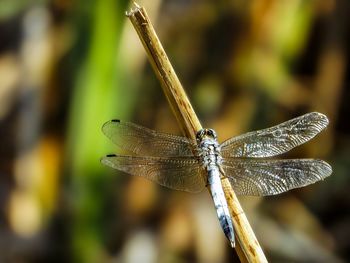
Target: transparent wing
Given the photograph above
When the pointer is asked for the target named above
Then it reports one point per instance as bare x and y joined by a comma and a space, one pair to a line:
143, 141
179, 173
269, 177
275, 140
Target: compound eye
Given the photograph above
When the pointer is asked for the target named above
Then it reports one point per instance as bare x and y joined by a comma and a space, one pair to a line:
200, 134
212, 133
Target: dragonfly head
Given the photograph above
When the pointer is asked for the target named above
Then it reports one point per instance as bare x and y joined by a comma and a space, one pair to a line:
206, 133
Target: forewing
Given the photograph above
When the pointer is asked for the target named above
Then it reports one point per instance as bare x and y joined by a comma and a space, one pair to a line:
269, 177
275, 140
143, 141
179, 173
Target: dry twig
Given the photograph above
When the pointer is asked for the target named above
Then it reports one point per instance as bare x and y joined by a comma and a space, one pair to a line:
248, 248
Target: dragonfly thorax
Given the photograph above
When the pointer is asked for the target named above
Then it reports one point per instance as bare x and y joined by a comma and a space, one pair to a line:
209, 149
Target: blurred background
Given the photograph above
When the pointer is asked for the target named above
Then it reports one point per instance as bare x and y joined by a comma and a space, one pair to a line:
68, 66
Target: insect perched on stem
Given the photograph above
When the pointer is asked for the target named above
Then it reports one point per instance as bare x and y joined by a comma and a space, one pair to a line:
182, 164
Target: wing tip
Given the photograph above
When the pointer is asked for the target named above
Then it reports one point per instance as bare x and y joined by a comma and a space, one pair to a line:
105, 160
107, 123
329, 169
325, 169
113, 120
320, 118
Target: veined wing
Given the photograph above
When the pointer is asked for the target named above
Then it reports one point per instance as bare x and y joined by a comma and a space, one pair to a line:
261, 177
179, 173
275, 140
143, 141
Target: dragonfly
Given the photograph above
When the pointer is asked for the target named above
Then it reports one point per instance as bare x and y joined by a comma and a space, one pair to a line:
184, 164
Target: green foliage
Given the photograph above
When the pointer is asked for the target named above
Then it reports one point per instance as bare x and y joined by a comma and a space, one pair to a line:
96, 98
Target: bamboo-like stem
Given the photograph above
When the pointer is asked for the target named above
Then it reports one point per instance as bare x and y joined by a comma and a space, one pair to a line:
248, 248
172, 87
